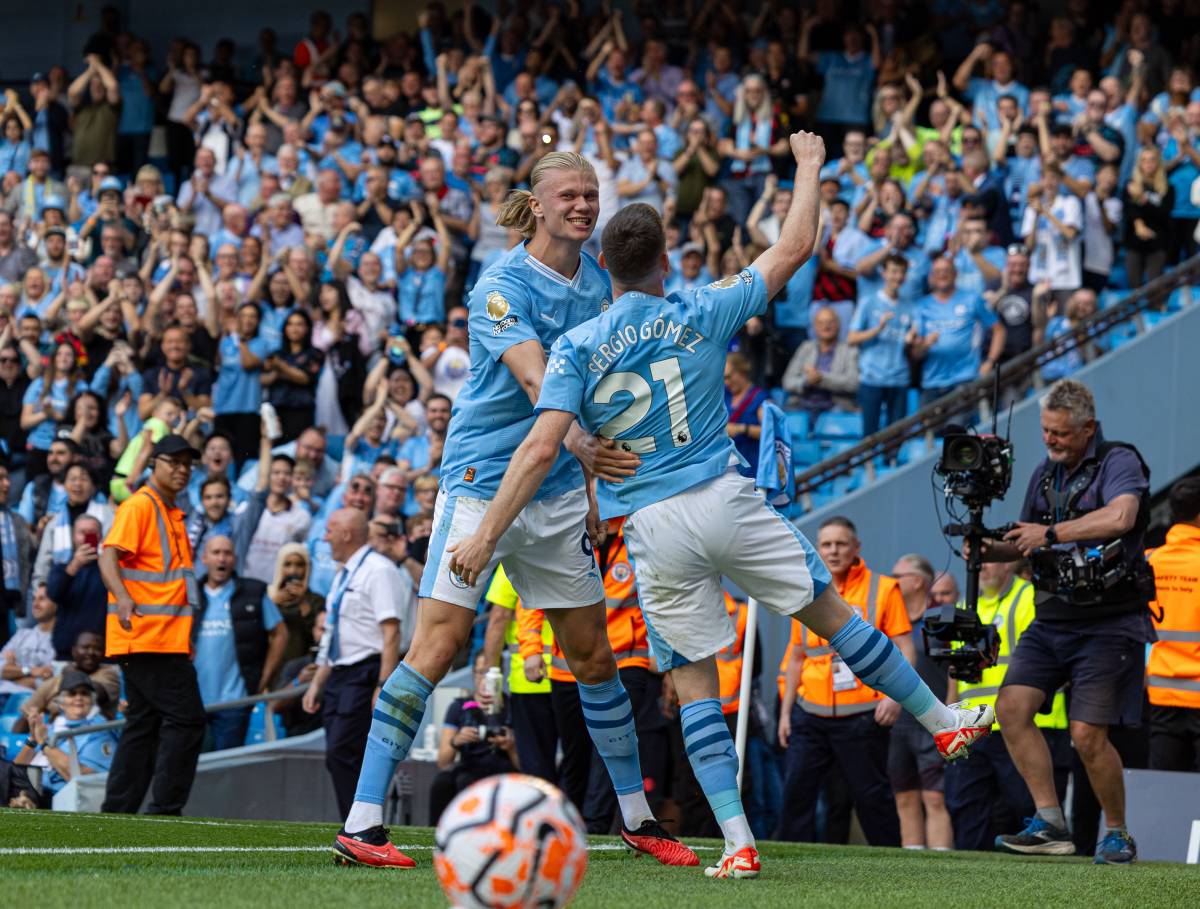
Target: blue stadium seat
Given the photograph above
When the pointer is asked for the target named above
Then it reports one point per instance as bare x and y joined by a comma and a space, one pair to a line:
12, 706
1153, 318
1122, 334
805, 453
335, 447
11, 742
778, 396
1118, 277
914, 400
836, 425
912, 450
256, 731
1109, 297
797, 425
7, 721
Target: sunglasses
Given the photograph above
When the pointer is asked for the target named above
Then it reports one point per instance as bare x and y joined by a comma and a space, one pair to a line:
9, 360
458, 323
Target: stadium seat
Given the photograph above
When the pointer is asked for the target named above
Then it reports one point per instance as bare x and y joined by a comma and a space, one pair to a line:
805, 453
836, 425
1110, 297
1122, 334
797, 424
914, 400
12, 706
7, 721
1153, 317
1118, 277
335, 447
778, 396
256, 732
12, 742
912, 450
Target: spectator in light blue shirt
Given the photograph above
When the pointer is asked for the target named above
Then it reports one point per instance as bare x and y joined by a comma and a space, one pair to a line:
611, 84
850, 170
951, 325
15, 148
690, 273
645, 177
237, 394
979, 266
653, 113
849, 75
882, 328
239, 639
137, 81
983, 93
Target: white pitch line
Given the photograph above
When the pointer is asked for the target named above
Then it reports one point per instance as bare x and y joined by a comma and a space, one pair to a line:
172, 850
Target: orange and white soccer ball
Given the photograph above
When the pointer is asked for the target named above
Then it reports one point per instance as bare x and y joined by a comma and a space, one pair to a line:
510, 842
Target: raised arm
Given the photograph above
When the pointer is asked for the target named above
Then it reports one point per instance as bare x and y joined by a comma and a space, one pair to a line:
798, 234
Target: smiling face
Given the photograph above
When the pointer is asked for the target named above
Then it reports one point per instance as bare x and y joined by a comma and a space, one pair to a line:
566, 204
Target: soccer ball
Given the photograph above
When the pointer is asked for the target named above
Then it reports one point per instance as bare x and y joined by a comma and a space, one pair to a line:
510, 842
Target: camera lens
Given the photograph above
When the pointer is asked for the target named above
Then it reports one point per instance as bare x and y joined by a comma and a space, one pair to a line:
962, 453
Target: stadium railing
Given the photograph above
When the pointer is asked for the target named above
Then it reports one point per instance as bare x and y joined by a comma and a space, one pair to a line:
1121, 320
268, 699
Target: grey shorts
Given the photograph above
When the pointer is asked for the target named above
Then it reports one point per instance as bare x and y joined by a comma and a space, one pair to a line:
913, 760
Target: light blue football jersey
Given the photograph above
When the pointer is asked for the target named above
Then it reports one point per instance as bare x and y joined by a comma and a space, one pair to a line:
516, 299
649, 372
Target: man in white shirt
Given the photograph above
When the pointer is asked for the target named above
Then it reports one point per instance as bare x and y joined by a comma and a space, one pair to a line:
370, 617
1053, 226
282, 521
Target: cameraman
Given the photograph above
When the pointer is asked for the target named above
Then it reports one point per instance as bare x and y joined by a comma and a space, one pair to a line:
1091, 492
474, 744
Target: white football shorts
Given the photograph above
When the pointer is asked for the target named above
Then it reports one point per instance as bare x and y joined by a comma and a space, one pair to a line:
546, 553
680, 547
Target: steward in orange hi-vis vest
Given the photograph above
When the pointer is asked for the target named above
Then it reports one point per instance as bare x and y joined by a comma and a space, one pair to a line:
156, 565
146, 564
1173, 672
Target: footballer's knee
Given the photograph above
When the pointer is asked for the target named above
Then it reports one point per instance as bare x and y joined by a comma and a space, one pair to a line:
595, 667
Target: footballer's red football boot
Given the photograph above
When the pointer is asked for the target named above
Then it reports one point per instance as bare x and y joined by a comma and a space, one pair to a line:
652, 840
743, 863
369, 847
973, 724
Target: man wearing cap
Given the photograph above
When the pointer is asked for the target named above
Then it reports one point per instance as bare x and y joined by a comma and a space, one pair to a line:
690, 273
147, 567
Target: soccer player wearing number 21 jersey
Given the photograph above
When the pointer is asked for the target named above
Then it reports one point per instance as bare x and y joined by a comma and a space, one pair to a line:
519, 307
648, 373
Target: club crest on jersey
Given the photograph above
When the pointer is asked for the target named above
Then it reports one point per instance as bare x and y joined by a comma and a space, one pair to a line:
725, 283
497, 306
621, 572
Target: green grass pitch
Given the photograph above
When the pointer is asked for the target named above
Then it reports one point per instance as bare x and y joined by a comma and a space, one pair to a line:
43, 863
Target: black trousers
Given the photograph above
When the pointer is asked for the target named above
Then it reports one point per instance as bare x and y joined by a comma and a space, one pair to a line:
1175, 739
346, 716
450, 782
859, 746
584, 777
536, 732
164, 729
293, 421
243, 430
986, 795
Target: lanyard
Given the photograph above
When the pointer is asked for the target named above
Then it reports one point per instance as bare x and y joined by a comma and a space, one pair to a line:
336, 603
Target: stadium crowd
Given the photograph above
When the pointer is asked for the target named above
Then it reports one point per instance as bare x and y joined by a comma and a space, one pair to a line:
265, 251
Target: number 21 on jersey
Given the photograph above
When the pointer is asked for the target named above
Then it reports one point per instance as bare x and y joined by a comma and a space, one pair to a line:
668, 373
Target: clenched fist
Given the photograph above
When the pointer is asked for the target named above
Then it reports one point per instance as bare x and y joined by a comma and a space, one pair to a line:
808, 148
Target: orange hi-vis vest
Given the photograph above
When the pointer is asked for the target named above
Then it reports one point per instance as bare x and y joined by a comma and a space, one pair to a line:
827, 686
157, 569
730, 659
626, 626
1173, 672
